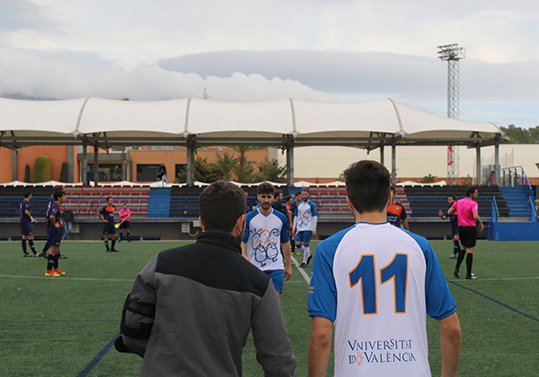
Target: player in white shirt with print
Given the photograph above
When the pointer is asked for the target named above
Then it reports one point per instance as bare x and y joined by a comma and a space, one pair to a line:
385, 280
305, 219
266, 234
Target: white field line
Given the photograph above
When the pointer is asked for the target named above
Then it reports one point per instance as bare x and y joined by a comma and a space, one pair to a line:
301, 271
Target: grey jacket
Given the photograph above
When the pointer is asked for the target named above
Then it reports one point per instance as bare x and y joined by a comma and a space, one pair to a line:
191, 308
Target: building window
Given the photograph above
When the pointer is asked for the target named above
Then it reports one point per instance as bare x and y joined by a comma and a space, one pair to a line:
147, 172
107, 172
181, 169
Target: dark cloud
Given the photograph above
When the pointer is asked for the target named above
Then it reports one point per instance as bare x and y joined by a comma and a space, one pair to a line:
371, 74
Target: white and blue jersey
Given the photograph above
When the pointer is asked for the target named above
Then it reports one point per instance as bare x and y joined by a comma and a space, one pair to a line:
376, 282
263, 238
305, 216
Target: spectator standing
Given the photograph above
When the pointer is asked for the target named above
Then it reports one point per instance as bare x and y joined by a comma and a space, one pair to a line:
68, 217
162, 174
192, 307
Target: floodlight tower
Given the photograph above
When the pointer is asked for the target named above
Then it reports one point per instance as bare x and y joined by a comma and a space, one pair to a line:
452, 54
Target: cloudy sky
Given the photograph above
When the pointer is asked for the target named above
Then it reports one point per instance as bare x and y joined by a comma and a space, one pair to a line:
255, 50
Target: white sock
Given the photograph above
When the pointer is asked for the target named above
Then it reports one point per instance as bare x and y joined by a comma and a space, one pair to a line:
306, 253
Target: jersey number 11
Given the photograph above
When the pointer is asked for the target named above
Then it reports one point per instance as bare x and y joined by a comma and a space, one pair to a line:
396, 270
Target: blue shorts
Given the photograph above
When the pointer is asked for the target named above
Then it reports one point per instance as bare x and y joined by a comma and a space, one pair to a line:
304, 236
277, 276
54, 238
27, 229
109, 229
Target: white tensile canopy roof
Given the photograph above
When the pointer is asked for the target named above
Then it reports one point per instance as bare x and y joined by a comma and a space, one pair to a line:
192, 122
112, 122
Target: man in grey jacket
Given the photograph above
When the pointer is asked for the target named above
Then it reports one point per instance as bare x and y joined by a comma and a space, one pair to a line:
192, 307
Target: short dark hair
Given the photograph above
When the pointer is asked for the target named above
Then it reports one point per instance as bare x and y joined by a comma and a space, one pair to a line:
108, 197
277, 193
27, 194
470, 190
298, 193
220, 205
58, 194
393, 189
265, 188
305, 189
367, 185
288, 197
452, 196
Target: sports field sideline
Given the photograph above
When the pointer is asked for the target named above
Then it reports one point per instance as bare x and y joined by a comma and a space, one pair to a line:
65, 326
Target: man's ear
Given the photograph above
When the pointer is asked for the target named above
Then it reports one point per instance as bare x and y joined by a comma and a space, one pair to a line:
349, 202
239, 223
201, 224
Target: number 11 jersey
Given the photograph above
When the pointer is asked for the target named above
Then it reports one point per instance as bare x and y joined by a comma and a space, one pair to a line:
377, 283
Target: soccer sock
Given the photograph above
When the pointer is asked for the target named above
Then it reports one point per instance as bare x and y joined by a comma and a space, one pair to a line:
107, 244
113, 244
469, 262
121, 236
32, 247
456, 247
50, 263
24, 247
56, 257
462, 253
45, 248
306, 253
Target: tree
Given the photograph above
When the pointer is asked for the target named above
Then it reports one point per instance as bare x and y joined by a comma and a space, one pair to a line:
42, 169
225, 164
244, 173
27, 173
428, 179
518, 135
271, 171
63, 172
242, 151
204, 172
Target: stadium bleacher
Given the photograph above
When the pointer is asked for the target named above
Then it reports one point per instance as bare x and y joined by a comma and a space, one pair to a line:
421, 203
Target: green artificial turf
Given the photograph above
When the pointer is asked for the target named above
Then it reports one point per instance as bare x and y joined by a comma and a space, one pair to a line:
64, 326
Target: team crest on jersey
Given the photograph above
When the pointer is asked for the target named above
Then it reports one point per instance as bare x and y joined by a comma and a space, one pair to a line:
265, 245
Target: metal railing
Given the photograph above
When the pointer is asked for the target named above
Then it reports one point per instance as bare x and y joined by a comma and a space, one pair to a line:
515, 176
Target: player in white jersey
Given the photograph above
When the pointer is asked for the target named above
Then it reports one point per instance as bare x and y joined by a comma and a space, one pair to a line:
305, 219
384, 279
265, 235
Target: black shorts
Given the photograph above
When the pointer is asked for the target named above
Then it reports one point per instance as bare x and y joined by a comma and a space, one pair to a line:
27, 228
54, 238
467, 236
109, 228
124, 225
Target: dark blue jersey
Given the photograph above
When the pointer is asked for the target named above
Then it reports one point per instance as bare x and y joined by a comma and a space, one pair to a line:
108, 213
454, 222
25, 206
53, 211
279, 206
